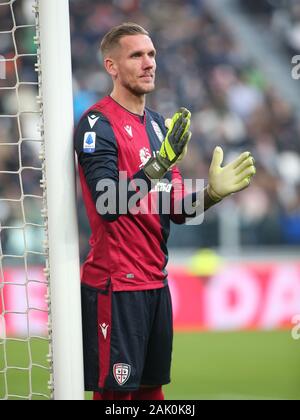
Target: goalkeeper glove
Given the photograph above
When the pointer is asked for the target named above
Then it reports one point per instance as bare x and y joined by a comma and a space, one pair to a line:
172, 147
234, 177
168, 123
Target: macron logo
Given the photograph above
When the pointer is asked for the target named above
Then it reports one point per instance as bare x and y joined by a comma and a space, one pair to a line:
92, 120
104, 328
128, 128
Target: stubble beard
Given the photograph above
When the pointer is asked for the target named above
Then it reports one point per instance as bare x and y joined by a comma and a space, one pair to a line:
138, 90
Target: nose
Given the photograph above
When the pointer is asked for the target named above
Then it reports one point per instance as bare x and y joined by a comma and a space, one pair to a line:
148, 62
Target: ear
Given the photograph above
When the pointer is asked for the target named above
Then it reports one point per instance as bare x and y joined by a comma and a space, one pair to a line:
110, 67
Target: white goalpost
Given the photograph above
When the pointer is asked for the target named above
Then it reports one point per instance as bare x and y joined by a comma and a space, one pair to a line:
38, 223
56, 74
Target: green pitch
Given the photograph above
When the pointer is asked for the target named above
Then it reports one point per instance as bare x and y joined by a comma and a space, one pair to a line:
28, 371
244, 365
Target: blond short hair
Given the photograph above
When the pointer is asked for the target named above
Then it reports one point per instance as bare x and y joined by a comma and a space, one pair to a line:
112, 38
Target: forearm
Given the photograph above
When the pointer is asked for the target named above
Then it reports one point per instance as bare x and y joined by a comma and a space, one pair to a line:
192, 206
208, 201
202, 201
117, 198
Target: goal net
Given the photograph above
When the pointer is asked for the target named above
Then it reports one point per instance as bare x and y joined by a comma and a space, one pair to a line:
26, 327
24, 369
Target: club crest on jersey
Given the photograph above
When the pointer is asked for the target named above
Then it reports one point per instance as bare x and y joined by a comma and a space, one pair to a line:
89, 142
145, 155
158, 131
121, 373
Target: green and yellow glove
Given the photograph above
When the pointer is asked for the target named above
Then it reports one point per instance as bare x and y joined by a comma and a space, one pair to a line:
234, 177
172, 147
168, 123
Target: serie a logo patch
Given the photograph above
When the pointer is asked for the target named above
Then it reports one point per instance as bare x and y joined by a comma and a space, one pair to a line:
89, 142
121, 372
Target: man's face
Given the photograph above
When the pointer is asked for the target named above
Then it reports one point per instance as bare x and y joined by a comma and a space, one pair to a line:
135, 64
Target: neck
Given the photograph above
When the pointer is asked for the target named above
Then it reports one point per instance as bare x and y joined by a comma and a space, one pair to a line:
133, 103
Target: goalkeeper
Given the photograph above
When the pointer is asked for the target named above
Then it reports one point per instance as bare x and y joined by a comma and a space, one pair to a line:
126, 303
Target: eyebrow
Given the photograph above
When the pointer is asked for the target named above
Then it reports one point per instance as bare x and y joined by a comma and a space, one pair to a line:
141, 52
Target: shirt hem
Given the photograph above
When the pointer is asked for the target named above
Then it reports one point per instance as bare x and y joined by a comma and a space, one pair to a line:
136, 288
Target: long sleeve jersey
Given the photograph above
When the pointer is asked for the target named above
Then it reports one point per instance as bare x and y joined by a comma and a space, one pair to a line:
129, 250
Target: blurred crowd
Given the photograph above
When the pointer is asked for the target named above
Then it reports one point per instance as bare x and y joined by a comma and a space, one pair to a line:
283, 17
200, 66
20, 166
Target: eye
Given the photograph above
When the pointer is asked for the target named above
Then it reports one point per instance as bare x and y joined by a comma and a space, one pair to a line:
135, 55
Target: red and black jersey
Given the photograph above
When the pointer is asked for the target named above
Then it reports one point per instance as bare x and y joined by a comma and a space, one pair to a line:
128, 250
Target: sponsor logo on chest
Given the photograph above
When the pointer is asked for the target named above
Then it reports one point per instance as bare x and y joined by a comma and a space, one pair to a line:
158, 131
